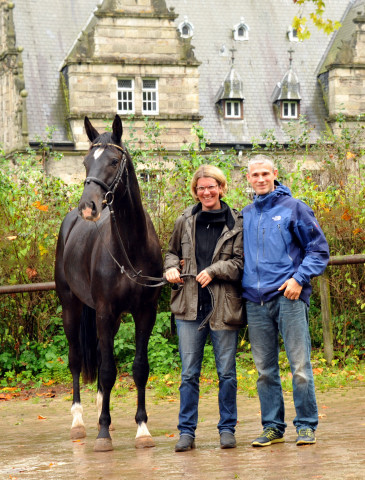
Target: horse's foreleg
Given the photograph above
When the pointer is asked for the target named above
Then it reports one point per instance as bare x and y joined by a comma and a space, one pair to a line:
107, 376
140, 376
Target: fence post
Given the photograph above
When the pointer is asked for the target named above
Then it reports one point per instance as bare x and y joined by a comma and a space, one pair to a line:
326, 318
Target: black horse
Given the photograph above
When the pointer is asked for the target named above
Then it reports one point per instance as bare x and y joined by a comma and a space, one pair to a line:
105, 258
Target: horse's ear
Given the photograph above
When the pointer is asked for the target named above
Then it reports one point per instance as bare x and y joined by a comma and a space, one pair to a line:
91, 132
117, 129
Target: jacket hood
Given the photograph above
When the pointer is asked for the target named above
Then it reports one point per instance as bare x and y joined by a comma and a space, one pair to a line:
264, 202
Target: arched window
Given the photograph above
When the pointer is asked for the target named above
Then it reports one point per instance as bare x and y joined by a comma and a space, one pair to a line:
240, 31
292, 34
186, 28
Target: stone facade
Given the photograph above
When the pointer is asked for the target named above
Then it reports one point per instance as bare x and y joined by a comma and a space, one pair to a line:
344, 78
132, 41
62, 60
13, 119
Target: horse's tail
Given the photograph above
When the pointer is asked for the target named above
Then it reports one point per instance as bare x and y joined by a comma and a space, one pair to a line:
89, 342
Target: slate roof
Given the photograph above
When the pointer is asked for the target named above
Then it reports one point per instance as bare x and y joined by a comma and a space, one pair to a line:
261, 62
47, 29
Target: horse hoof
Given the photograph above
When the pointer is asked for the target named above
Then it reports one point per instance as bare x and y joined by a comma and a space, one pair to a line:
103, 445
146, 441
78, 432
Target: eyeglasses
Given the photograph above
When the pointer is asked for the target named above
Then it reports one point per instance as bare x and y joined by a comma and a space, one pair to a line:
210, 188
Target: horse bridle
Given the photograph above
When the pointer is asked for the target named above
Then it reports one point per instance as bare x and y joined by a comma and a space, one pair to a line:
110, 190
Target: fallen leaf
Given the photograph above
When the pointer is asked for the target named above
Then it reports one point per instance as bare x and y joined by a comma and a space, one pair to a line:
41, 418
31, 273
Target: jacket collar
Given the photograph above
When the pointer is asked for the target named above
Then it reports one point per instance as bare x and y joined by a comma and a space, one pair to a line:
230, 220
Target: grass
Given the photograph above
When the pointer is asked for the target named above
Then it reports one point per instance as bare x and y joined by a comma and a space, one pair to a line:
343, 372
349, 372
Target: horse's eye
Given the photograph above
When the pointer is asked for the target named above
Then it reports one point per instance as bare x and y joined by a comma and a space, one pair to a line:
115, 162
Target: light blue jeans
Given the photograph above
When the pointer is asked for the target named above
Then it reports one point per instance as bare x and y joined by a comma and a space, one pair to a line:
290, 319
191, 347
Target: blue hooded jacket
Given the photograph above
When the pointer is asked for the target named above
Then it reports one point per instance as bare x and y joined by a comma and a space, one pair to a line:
282, 239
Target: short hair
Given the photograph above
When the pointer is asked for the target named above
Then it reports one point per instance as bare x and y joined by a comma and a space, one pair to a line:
210, 171
259, 159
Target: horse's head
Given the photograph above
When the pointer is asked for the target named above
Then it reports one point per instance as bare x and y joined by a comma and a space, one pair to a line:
104, 165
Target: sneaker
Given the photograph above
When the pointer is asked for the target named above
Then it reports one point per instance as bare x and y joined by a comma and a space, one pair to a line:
305, 436
227, 440
269, 436
185, 443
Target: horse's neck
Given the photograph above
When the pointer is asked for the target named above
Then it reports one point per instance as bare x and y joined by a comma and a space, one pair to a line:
130, 214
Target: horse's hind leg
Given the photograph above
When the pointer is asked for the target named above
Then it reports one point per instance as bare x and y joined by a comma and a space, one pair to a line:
106, 380
71, 323
144, 324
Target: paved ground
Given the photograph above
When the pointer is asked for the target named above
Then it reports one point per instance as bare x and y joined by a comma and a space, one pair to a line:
35, 444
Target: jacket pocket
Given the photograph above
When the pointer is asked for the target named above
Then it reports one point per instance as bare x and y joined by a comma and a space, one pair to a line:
234, 310
178, 299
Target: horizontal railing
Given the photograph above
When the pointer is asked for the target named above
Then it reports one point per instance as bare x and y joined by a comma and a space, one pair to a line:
323, 287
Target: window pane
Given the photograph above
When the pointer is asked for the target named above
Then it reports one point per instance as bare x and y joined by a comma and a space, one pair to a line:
229, 109
125, 95
124, 83
149, 83
293, 109
149, 96
285, 109
236, 109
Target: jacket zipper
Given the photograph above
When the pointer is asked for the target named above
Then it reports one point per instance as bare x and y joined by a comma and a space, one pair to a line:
257, 258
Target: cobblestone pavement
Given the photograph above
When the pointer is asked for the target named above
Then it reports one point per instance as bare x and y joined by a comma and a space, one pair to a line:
35, 443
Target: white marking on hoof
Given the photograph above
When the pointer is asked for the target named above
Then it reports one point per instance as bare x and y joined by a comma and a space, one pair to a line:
143, 437
142, 430
76, 411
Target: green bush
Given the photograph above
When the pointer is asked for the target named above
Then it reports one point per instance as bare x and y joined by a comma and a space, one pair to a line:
32, 206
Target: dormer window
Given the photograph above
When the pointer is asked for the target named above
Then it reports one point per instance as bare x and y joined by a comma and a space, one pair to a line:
186, 28
292, 34
229, 98
289, 110
233, 109
286, 95
240, 31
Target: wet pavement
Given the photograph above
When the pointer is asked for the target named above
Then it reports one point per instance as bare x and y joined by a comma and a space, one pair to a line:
35, 443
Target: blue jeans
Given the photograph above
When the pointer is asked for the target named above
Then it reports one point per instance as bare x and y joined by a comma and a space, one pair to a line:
290, 319
191, 347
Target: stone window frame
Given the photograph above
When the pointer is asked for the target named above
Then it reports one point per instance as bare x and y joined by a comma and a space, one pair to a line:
128, 94
233, 116
150, 97
290, 115
186, 28
241, 27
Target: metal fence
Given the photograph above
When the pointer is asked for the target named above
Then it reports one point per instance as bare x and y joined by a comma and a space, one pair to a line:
323, 286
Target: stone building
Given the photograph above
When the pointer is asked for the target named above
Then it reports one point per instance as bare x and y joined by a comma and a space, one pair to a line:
235, 67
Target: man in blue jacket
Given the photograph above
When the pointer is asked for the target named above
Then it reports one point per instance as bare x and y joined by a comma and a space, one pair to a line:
284, 247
